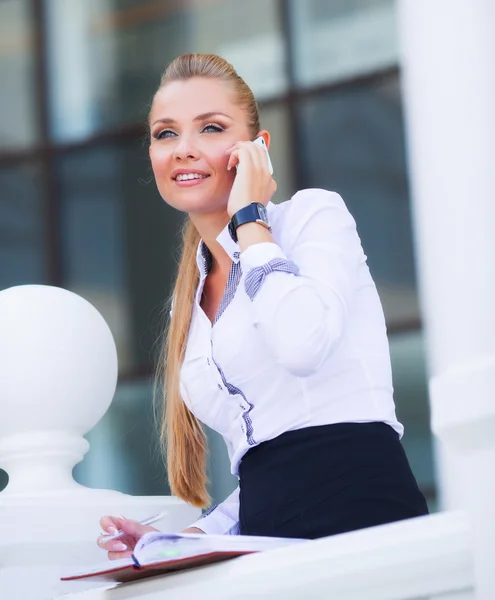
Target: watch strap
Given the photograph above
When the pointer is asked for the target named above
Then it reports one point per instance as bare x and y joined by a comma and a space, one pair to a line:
253, 213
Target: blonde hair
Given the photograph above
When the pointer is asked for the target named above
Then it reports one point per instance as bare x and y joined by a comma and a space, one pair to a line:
182, 437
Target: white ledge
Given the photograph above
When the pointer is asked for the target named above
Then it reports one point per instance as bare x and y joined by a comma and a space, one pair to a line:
400, 561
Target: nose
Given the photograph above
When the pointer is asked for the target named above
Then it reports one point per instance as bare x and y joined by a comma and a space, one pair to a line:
185, 150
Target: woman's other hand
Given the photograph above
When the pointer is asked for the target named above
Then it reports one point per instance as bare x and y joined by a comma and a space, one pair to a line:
253, 181
192, 530
124, 546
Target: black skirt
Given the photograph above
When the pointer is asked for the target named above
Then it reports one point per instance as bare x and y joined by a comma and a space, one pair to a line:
324, 480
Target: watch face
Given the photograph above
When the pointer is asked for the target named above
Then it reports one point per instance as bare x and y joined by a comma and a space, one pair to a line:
263, 213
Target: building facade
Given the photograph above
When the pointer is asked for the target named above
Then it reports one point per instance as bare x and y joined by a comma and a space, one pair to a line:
79, 208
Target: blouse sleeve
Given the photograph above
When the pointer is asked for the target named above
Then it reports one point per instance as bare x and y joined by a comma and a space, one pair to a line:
222, 519
301, 297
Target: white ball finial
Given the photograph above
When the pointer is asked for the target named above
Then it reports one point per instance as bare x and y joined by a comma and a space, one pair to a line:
58, 373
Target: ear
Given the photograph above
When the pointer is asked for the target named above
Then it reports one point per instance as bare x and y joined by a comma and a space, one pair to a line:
266, 136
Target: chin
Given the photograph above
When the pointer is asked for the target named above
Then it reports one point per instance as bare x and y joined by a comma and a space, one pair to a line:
196, 202
196, 206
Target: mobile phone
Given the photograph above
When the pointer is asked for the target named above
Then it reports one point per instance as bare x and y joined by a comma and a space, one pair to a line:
261, 142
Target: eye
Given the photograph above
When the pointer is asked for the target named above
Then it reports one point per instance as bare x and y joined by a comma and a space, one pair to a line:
212, 128
165, 133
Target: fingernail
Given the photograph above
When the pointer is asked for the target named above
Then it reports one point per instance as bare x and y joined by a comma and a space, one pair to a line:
119, 547
113, 530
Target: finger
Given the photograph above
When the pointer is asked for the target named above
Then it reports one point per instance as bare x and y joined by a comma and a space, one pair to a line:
233, 153
119, 555
236, 146
109, 524
241, 156
112, 545
255, 151
233, 161
229, 153
108, 521
134, 528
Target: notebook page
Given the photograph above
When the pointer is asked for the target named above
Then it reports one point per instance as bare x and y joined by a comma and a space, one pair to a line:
156, 546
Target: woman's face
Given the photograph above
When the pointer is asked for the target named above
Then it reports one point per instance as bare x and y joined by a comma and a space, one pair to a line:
192, 124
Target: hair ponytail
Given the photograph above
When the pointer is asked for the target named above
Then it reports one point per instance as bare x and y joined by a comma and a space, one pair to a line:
182, 438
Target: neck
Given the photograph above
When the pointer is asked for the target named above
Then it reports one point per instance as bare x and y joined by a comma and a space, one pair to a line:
209, 227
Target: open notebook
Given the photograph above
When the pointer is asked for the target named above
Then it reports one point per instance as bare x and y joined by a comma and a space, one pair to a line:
158, 553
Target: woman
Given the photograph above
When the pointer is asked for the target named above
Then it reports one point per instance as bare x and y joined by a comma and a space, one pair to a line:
277, 337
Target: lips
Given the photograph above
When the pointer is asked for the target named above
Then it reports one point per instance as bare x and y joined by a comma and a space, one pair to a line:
188, 174
190, 179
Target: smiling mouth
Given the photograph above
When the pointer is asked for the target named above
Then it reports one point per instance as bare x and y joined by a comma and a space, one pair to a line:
189, 176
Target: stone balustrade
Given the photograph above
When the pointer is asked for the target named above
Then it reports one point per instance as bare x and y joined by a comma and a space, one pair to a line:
58, 374
426, 558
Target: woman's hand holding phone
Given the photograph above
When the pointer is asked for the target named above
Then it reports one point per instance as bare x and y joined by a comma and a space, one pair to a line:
253, 181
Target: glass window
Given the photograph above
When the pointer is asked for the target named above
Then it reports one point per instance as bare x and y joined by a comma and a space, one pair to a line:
353, 142
22, 234
18, 125
247, 34
275, 118
106, 58
118, 240
411, 397
124, 452
342, 38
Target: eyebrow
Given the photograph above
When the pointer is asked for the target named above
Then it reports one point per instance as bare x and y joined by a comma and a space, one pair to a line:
202, 117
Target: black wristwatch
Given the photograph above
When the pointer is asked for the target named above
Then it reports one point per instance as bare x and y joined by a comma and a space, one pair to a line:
254, 213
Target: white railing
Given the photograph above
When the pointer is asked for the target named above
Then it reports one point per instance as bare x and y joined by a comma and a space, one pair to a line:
429, 557
58, 373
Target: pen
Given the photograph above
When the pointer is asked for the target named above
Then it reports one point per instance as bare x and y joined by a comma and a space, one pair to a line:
147, 521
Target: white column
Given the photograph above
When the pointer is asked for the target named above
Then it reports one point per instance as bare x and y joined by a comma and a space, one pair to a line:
448, 61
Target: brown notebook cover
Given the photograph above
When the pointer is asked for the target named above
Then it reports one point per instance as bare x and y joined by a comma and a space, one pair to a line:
124, 573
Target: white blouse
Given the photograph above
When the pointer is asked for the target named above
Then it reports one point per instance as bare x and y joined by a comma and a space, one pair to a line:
299, 339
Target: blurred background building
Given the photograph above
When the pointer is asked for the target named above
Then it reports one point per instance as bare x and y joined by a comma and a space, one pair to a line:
79, 208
